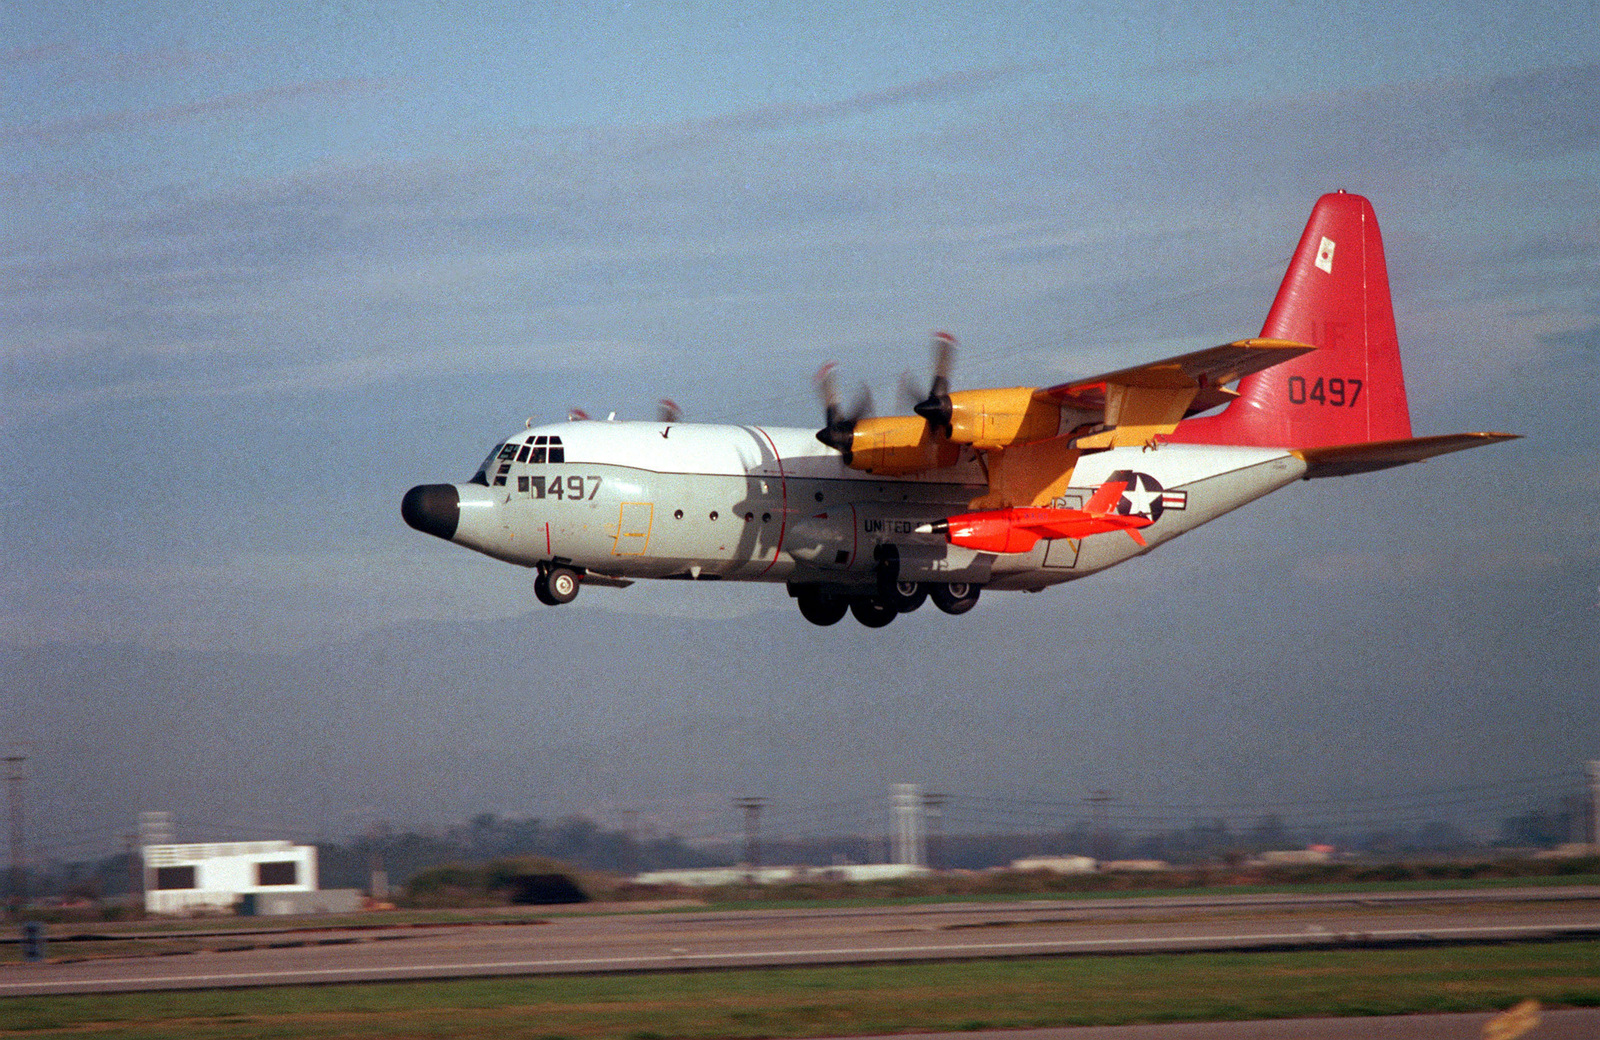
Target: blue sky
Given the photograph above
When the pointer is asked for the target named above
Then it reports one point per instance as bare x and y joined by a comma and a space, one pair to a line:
267, 265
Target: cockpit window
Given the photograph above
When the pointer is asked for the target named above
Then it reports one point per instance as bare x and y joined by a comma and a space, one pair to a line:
535, 451
482, 476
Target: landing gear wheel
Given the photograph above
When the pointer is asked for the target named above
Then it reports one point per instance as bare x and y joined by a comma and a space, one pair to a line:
819, 608
556, 586
955, 598
874, 613
906, 596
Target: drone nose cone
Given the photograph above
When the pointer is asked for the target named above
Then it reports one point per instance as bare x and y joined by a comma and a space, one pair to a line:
433, 508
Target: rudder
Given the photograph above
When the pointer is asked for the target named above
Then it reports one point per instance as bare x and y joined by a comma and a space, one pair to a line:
1335, 296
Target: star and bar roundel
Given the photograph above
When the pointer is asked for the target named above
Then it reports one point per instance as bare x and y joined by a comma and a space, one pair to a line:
1144, 496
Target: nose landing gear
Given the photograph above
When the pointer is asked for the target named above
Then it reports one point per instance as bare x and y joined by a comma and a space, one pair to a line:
556, 585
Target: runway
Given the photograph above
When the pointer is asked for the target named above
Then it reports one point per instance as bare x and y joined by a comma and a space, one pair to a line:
594, 942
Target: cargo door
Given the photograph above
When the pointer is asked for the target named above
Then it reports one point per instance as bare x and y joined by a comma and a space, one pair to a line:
633, 529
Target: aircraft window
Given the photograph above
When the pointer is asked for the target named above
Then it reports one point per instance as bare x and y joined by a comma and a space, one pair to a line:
522, 456
482, 476
766, 518
538, 456
677, 514
558, 453
508, 451
522, 485
713, 514
541, 440
749, 517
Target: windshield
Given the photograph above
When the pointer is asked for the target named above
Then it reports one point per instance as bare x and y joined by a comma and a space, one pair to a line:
533, 450
482, 476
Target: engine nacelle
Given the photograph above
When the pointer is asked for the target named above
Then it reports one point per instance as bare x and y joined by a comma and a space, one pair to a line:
899, 444
996, 418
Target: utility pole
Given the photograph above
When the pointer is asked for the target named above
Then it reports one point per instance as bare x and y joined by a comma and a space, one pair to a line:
630, 829
1102, 835
135, 870
1594, 803
933, 806
752, 832
19, 859
378, 886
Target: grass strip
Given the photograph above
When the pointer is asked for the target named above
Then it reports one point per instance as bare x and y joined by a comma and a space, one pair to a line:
773, 899
878, 999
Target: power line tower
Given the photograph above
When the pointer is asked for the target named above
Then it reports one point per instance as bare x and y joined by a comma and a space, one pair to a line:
752, 832
19, 857
909, 849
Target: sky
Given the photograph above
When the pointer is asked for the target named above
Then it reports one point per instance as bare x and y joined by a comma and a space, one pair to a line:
267, 265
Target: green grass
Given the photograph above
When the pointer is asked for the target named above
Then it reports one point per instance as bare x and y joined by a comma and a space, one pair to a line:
878, 999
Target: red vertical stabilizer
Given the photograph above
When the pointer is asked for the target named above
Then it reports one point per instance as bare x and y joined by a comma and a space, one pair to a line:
1349, 390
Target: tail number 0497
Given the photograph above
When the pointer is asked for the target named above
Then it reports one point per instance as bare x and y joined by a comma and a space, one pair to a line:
1335, 393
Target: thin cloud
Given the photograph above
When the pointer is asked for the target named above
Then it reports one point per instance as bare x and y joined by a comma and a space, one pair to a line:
794, 114
247, 102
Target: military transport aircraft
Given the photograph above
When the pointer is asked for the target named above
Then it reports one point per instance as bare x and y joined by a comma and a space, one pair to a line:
1002, 489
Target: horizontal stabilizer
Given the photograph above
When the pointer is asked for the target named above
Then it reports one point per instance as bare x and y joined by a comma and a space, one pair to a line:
1344, 459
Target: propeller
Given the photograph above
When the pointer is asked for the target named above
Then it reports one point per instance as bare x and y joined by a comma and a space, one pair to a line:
667, 411
576, 414
839, 426
936, 408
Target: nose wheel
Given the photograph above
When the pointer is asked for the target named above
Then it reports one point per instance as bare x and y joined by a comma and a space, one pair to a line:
556, 585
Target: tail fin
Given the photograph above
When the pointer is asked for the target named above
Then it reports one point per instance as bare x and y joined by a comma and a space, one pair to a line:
1105, 499
1349, 390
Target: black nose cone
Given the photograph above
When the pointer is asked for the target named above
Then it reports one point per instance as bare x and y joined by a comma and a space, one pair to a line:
433, 508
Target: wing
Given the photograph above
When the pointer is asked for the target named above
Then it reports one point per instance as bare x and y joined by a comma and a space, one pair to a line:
1030, 437
1151, 399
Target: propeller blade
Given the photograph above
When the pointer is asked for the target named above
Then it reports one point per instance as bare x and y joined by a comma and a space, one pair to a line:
944, 358
838, 431
667, 411
908, 394
861, 407
936, 408
574, 414
828, 390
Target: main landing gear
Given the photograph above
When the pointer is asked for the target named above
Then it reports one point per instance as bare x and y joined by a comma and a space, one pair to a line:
822, 607
556, 584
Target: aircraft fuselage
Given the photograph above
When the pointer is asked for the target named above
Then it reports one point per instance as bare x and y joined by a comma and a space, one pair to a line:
632, 500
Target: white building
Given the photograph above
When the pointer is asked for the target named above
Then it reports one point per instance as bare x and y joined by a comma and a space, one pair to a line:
181, 878
1057, 864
